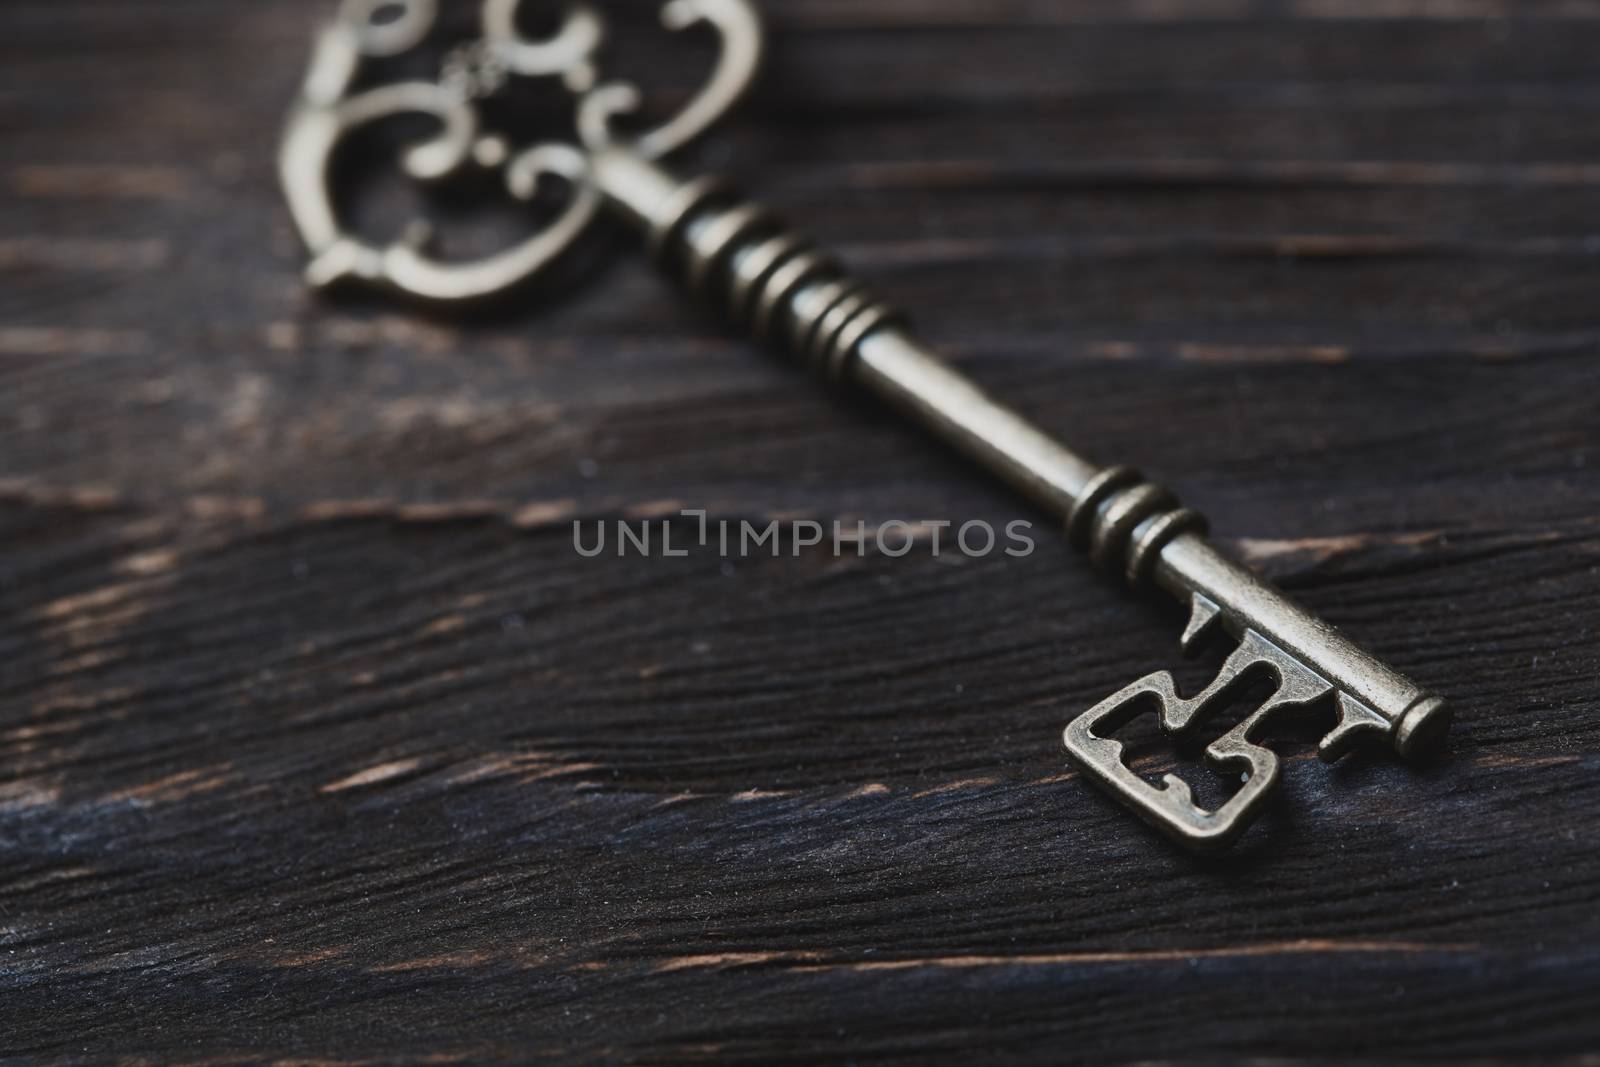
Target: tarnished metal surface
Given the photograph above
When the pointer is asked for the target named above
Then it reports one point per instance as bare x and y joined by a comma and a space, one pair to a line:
772, 282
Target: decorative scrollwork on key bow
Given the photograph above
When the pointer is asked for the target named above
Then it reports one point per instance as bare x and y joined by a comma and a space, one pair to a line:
330, 111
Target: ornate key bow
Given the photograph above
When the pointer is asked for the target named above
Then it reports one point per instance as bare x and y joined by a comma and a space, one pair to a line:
773, 282
328, 112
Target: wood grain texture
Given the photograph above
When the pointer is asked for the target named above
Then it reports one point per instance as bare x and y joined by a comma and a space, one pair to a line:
318, 741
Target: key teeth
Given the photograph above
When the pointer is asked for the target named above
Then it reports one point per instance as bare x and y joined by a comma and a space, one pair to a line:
1204, 614
1356, 721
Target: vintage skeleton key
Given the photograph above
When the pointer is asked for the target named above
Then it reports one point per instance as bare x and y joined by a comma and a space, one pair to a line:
765, 278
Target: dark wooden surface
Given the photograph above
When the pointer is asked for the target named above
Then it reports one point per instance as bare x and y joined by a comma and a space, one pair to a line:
319, 743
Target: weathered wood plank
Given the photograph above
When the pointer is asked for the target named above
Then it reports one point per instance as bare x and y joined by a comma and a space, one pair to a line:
318, 740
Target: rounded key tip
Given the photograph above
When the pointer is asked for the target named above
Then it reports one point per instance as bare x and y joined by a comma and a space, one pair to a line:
1423, 727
